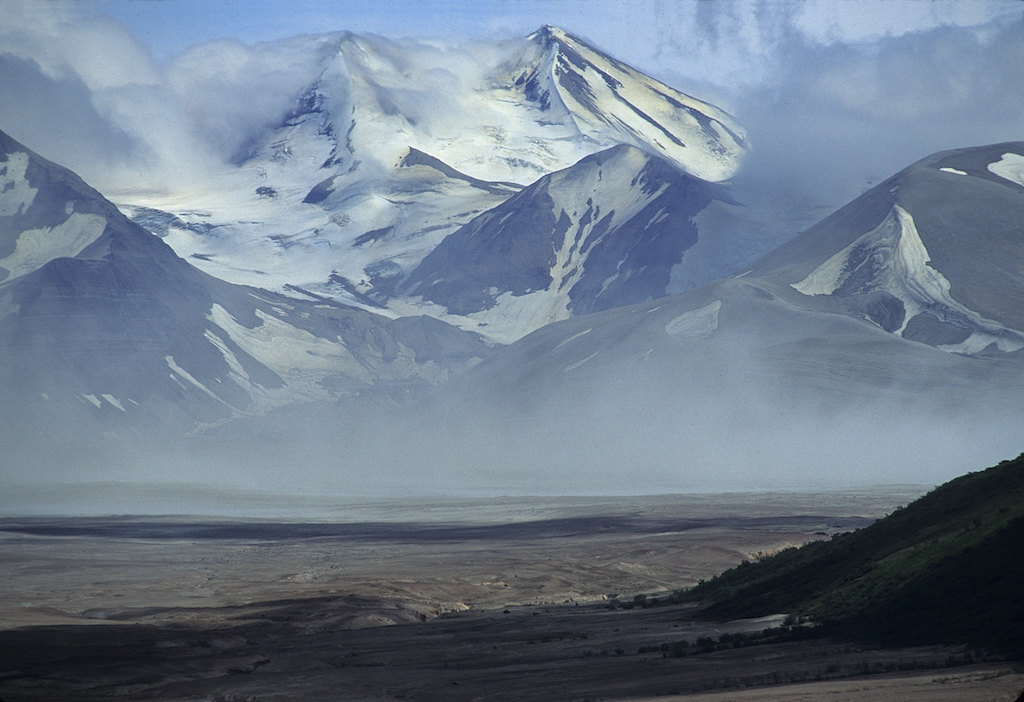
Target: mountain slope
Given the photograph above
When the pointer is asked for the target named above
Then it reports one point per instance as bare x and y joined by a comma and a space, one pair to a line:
944, 568
609, 101
604, 233
732, 386
702, 386
101, 322
932, 254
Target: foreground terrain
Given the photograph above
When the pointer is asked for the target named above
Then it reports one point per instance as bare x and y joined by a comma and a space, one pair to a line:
497, 599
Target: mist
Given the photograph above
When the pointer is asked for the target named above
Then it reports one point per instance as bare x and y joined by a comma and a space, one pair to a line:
839, 119
728, 418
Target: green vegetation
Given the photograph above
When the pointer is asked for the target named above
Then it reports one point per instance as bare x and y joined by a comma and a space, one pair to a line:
948, 568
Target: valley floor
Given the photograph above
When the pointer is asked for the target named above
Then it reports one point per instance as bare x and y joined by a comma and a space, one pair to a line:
492, 600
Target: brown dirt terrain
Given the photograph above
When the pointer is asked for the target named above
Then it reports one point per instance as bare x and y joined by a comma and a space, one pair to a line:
492, 600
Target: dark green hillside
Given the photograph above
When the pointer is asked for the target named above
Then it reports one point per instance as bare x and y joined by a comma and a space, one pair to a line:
947, 568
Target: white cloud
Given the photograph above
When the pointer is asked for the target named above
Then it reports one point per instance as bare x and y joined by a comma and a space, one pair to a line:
838, 118
229, 91
67, 42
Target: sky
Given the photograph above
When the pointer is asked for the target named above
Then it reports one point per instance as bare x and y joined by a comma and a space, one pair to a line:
835, 94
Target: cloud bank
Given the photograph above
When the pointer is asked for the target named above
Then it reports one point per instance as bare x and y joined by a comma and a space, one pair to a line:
837, 119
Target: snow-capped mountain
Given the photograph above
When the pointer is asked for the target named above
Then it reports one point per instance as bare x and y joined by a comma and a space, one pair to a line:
100, 319
609, 102
603, 233
105, 334
392, 146
498, 113
890, 330
933, 254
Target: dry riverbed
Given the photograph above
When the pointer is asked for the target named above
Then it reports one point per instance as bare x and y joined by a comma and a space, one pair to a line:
458, 600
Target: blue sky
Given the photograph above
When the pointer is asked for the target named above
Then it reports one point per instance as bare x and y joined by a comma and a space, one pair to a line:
169, 26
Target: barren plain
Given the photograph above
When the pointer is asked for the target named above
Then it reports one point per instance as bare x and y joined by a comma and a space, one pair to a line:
490, 599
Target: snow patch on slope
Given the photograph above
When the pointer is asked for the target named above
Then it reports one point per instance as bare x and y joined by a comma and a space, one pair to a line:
97, 402
1010, 167
15, 192
178, 374
116, 403
895, 247
92, 400
513, 316
701, 322
36, 247
574, 337
580, 363
980, 340
828, 277
299, 357
892, 258
925, 284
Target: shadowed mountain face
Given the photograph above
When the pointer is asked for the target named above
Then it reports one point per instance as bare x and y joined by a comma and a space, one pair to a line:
933, 254
601, 234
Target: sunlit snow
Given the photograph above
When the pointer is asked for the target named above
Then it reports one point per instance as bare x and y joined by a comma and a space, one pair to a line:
375, 100
1010, 166
36, 247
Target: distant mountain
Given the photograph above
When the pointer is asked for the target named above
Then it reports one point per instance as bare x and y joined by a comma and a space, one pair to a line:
933, 254
103, 326
513, 112
422, 204
782, 361
604, 233
392, 146
744, 381
944, 569
608, 101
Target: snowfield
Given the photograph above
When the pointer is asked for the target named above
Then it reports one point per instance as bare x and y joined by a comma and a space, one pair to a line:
1011, 167
394, 145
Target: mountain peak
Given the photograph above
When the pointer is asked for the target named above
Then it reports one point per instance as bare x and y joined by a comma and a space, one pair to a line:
610, 102
549, 33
